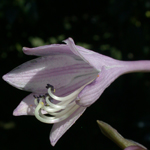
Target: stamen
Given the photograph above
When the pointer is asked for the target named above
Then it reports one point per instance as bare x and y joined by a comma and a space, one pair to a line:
63, 108
50, 86
35, 101
57, 118
49, 109
71, 96
38, 99
61, 105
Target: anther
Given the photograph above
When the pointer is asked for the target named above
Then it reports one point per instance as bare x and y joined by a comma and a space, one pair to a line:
37, 98
34, 96
42, 103
40, 96
46, 94
50, 86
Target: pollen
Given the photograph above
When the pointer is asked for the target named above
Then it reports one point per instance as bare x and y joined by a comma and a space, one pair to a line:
42, 103
98, 75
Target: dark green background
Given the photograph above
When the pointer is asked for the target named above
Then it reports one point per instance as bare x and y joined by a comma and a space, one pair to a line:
117, 28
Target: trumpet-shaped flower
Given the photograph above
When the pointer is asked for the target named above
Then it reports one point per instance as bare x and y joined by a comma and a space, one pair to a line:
64, 81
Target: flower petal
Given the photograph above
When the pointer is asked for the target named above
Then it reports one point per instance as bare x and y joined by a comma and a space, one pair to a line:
94, 90
58, 49
94, 59
53, 49
73, 48
107, 75
135, 148
26, 106
69, 49
58, 70
60, 128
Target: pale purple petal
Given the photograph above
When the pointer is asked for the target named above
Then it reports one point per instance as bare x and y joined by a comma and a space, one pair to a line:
26, 106
60, 128
93, 91
135, 148
95, 59
136, 66
74, 48
53, 49
107, 75
68, 49
58, 70
58, 49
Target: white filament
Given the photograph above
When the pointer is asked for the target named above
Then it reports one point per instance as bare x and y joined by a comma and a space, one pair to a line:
59, 117
61, 105
57, 112
71, 96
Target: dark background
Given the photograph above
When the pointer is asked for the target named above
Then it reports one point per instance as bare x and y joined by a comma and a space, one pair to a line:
117, 28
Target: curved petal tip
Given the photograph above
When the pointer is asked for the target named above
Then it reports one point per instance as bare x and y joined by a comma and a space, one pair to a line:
12, 80
24, 49
4, 77
23, 109
60, 128
68, 39
53, 142
135, 147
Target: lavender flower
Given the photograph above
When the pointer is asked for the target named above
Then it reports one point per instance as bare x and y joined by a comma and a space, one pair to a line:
74, 77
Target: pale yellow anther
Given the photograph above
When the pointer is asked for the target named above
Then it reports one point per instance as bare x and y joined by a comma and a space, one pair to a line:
54, 90
42, 103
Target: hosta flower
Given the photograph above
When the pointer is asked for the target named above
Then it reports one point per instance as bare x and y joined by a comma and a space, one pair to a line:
64, 81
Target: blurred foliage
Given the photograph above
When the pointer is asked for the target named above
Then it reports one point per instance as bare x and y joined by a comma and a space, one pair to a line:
117, 28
